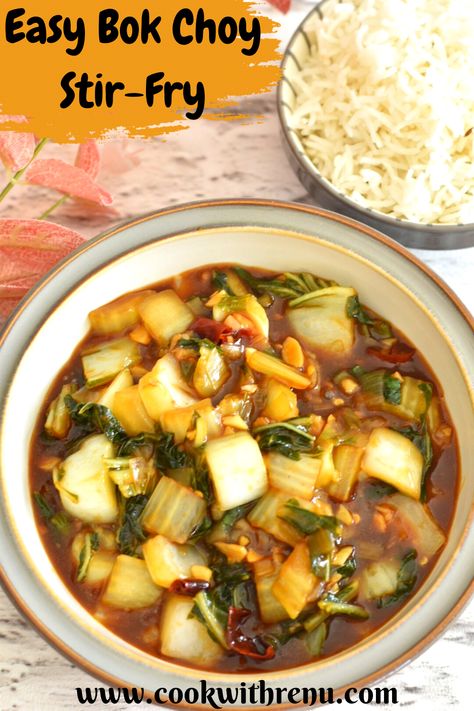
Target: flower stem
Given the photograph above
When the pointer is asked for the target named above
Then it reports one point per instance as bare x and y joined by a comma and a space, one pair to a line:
15, 178
53, 207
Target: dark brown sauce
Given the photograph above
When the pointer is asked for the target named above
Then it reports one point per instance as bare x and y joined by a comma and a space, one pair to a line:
139, 627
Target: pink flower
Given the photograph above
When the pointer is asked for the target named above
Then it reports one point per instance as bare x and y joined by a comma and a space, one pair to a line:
88, 158
16, 149
28, 249
68, 179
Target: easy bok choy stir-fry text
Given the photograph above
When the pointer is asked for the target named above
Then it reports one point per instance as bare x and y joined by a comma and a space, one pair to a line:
244, 470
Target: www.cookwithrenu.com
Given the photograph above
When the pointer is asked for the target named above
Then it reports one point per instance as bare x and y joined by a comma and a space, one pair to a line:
257, 693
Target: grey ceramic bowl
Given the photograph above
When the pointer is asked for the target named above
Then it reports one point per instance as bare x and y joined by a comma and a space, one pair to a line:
324, 193
52, 320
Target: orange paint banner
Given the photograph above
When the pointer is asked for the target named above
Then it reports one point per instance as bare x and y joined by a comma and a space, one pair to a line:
140, 68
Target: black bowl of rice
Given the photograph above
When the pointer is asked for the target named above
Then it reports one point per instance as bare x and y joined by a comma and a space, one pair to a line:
376, 103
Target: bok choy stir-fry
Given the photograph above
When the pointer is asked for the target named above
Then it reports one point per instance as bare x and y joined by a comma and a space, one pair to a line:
244, 470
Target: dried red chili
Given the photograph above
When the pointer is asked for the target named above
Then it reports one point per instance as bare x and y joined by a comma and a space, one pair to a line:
213, 330
398, 353
188, 586
239, 642
218, 332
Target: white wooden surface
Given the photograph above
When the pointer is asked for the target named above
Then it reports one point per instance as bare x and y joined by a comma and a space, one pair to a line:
213, 160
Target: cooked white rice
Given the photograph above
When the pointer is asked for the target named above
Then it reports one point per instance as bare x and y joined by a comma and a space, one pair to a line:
385, 105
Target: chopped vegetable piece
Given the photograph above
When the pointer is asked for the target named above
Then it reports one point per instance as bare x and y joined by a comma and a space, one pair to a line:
434, 418
174, 511
370, 326
183, 636
422, 440
84, 485
379, 579
92, 417
164, 315
237, 469
288, 438
356, 311
348, 569
347, 460
416, 397
405, 581
130, 586
211, 371
220, 281
99, 568
287, 285
228, 280
212, 606
58, 520
223, 528
271, 609
234, 552
404, 397
91, 544
281, 402
344, 595
129, 410
306, 521
58, 419
277, 369
333, 606
315, 640
197, 306
321, 546
327, 471
205, 610
392, 390
168, 455
295, 581
120, 382
393, 458
265, 515
375, 389
164, 388
102, 365
416, 521
130, 534
321, 319
247, 305
378, 489
167, 561
140, 335
201, 530
201, 572
180, 420
133, 475
118, 315
201, 479
298, 478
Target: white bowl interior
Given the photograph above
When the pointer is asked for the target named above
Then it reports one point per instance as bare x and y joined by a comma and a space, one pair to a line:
381, 276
